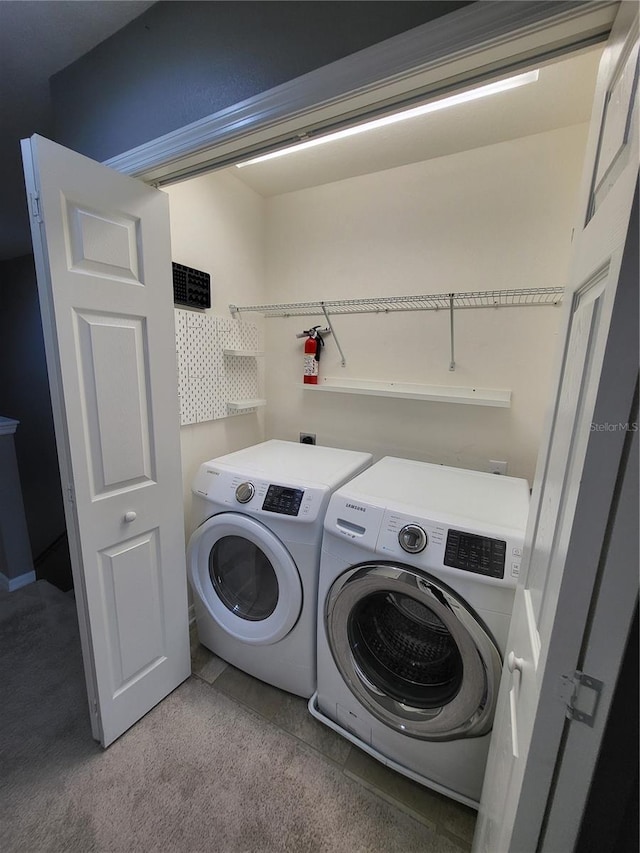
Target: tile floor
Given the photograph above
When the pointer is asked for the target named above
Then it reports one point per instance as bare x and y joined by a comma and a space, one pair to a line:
289, 713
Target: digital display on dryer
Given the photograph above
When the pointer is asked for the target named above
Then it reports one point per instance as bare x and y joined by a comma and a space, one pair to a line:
282, 500
477, 554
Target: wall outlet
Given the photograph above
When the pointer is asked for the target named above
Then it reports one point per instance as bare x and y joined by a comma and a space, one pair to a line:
307, 438
497, 467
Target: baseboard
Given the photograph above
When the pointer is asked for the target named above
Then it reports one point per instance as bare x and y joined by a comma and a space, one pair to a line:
12, 584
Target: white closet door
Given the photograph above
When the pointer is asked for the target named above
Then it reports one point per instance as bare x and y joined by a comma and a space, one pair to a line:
577, 467
102, 248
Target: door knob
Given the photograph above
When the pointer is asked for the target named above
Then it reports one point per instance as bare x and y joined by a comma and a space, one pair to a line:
130, 516
514, 663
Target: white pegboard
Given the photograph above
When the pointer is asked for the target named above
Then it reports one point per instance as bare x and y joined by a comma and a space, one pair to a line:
239, 374
207, 378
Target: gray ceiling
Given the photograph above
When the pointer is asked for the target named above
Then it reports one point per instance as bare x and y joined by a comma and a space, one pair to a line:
37, 39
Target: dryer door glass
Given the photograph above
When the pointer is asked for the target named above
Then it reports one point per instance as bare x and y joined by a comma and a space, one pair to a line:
243, 578
414, 654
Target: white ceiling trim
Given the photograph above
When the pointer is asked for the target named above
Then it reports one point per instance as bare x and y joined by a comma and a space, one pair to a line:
467, 46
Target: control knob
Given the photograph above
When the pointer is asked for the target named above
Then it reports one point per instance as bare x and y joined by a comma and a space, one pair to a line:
245, 492
412, 539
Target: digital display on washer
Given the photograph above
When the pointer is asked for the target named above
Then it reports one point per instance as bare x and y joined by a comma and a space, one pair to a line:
477, 554
283, 500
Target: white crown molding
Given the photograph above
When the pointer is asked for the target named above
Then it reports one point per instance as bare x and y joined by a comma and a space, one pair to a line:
469, 44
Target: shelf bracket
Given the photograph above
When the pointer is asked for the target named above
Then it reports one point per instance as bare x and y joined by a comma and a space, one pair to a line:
452, 361
326, 317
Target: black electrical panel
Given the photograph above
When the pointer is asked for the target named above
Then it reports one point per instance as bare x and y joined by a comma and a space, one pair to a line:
191, 287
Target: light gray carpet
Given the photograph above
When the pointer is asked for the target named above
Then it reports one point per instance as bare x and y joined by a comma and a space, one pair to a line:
199, 774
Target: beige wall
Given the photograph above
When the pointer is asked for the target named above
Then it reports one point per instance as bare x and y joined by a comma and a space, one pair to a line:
493, 218
218, 225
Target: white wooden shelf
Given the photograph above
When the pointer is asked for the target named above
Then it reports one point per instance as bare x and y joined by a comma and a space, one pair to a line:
241, 405
413, 391
244, 353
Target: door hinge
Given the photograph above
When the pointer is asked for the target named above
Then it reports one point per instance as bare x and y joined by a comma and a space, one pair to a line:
70, 494
581, 695
36, 212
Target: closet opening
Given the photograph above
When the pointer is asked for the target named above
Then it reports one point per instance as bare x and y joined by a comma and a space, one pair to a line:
475, 198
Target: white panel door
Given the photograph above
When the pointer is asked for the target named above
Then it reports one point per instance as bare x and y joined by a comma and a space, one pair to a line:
102, 248
577, 469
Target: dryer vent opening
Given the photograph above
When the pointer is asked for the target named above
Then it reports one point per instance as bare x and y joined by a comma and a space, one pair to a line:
405, 650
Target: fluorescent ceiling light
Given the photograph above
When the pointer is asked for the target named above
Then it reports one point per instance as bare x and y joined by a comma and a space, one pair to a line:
413, 112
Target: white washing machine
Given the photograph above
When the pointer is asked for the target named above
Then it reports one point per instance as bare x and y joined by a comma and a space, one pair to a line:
417, 579
253, 560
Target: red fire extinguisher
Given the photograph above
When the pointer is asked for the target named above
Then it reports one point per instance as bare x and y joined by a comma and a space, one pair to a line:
312, 349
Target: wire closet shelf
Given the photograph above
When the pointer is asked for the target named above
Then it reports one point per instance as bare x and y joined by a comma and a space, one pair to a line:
425, 302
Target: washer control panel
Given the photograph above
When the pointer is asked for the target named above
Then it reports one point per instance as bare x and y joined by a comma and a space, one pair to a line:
432, 545
401, 534
478, 554
412, 538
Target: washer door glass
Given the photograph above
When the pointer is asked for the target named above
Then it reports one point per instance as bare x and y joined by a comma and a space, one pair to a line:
414, 654
245, 577
403, 647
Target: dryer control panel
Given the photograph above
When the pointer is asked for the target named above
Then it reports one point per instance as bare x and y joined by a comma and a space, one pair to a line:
283, 500
230, 491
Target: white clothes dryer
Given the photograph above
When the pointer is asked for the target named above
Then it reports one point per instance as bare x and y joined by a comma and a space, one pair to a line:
417, 579
254, 557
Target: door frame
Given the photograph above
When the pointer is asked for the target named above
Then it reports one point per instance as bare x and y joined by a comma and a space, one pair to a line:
611, 608
461, 49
